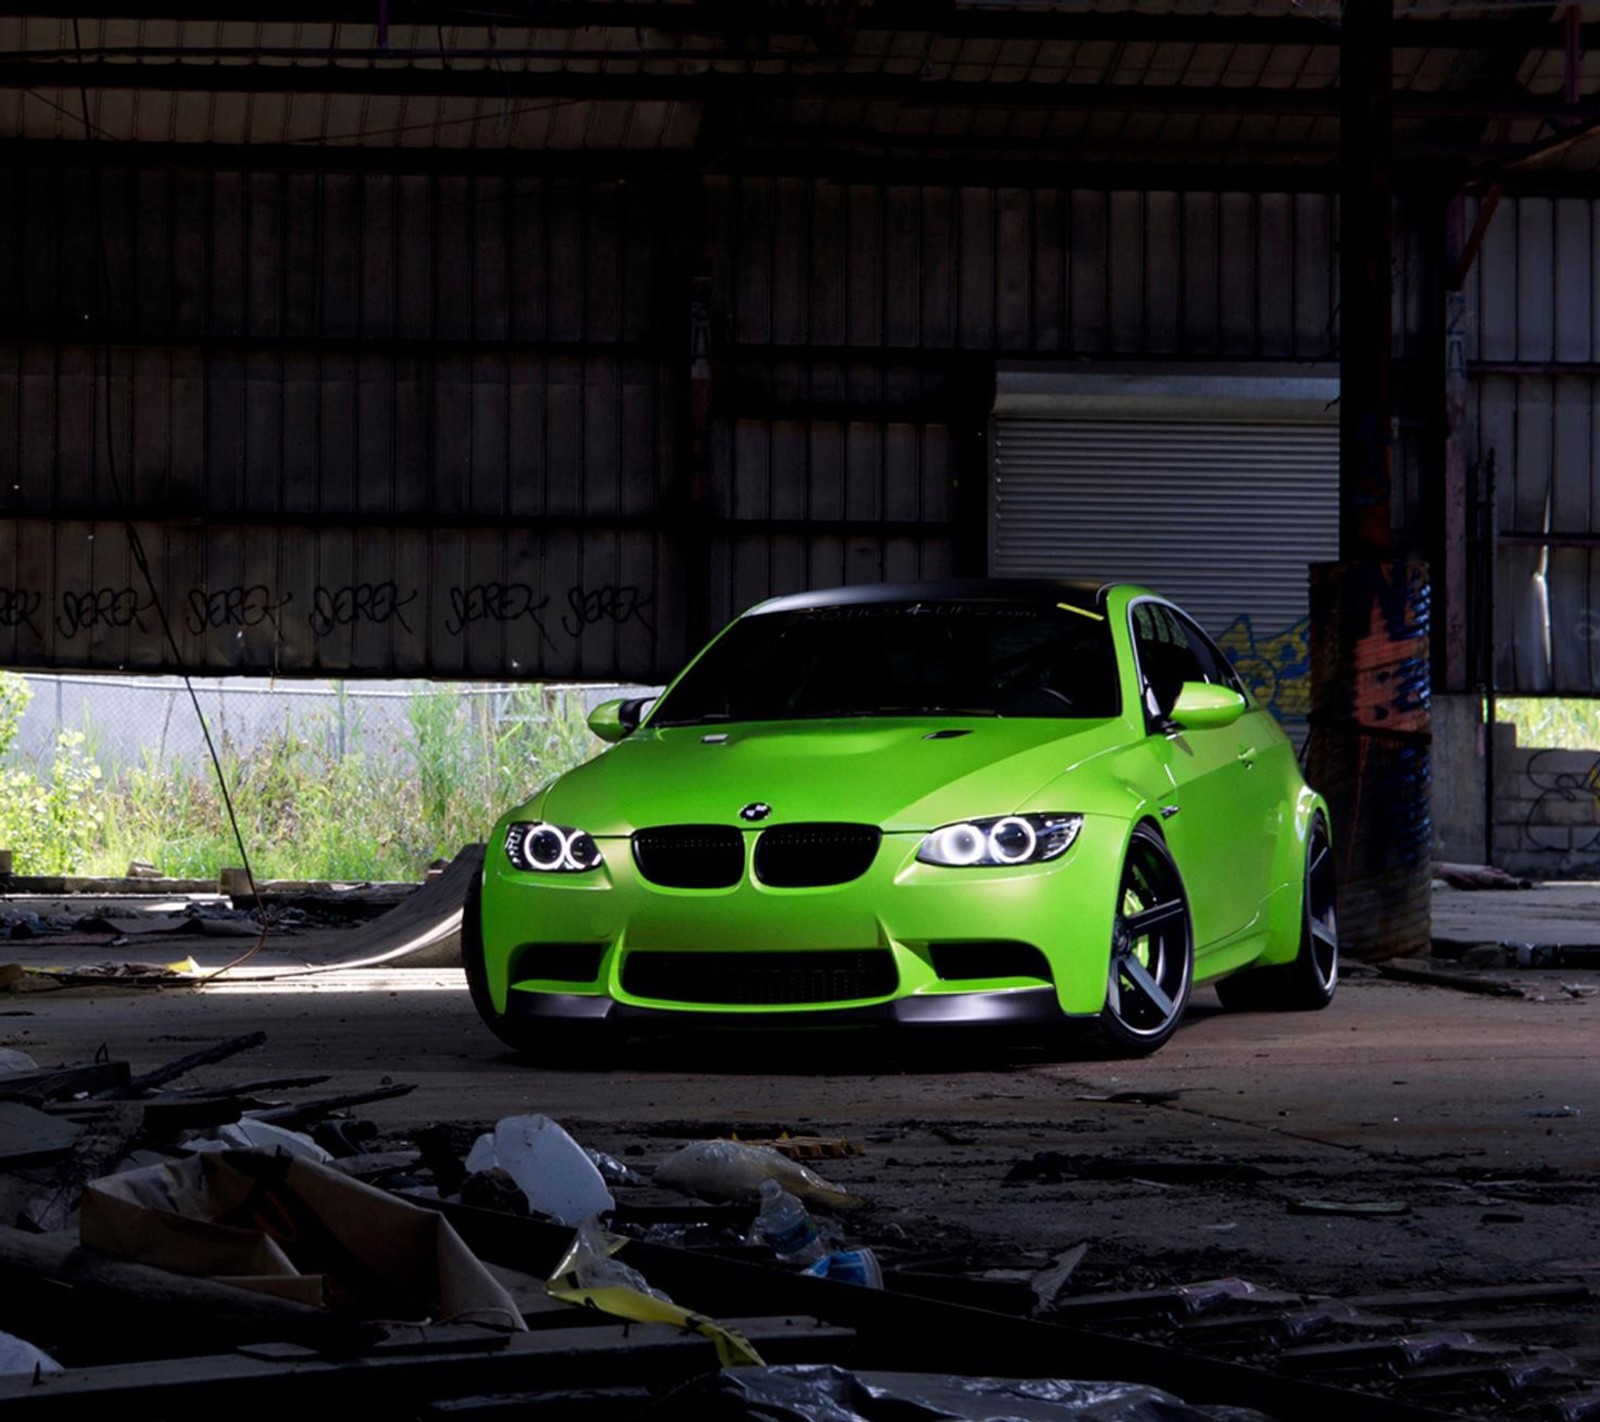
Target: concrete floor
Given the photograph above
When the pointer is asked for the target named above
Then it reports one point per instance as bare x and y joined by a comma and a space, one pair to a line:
1482, 1113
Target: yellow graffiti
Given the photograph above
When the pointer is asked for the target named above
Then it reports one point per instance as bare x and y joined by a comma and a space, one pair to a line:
1277, 669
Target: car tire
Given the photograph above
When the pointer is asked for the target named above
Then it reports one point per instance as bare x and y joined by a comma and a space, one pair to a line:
1308, 982
1151, 962
555, 1044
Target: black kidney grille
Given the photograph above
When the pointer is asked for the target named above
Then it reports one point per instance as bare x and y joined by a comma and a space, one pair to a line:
808, 855
690, 856
761, 979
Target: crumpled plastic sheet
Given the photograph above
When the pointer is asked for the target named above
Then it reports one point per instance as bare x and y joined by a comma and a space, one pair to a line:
17, 1355
825, 1393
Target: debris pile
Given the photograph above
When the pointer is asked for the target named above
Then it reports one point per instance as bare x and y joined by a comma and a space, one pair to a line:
181, 1250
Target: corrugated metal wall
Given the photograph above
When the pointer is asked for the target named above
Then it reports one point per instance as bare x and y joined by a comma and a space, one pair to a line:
375, 423
408, 424
1534, 352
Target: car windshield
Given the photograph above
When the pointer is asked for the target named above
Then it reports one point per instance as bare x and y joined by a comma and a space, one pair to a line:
972, 658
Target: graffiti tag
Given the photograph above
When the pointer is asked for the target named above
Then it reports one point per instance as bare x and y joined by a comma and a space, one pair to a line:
605, 604
1572, 787
101, 607
233, 607
496, 602
1276, 668
17, 607
380, 603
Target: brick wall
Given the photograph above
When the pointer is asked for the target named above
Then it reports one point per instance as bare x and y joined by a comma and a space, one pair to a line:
1547, 811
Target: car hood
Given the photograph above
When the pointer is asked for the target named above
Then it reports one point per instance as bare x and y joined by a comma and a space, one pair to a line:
907, 774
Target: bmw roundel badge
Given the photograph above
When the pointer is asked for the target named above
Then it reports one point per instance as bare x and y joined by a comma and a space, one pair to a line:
755, 811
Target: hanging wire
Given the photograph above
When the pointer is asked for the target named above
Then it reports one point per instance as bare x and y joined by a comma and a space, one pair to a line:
102, 286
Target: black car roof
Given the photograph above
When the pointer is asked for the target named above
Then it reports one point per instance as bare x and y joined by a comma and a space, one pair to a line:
943, 590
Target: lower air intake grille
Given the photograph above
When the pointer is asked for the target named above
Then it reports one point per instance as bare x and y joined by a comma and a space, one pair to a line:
690, 856
557, 962
761, 979
808, 855
954, 962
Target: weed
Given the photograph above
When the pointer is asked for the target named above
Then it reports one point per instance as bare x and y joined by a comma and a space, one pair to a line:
317, 798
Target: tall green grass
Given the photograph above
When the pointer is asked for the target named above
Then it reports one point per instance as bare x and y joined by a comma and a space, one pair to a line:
311, 804
1561, 723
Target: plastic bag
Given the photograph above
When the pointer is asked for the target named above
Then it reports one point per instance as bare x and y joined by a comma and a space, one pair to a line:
550, 1168
248, 1134
825, 1393
731, 1170
17, 1355
591, 1277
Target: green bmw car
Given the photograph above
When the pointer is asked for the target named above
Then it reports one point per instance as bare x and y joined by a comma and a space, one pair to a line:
1039, 805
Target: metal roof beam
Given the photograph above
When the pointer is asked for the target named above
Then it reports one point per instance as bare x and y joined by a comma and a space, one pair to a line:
806, 18
500, 84
591, 166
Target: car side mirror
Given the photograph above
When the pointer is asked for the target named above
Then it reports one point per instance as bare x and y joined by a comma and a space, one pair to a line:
1203, 707
612, 720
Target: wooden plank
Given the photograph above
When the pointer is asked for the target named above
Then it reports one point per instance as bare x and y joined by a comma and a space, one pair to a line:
101, 1145
902, 1332
28, 1135
205, 1056
112, 1308
58, 1083
392, 1383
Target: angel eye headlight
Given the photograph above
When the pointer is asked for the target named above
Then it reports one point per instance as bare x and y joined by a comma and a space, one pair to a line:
551, 849
1005, 840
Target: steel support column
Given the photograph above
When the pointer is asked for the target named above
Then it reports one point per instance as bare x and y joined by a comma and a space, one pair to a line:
1369, 747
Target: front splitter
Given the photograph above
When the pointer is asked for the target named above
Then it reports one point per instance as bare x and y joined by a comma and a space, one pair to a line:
1019, 1008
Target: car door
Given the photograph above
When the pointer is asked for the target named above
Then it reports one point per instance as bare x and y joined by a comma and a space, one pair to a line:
1215, 823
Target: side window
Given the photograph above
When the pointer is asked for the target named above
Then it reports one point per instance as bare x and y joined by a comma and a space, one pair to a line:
1168, 656
1217, 669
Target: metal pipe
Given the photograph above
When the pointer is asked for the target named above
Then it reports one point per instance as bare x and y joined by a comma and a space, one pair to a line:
1491, 537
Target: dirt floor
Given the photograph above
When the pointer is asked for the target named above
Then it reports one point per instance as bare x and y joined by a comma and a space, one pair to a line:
1479, 1113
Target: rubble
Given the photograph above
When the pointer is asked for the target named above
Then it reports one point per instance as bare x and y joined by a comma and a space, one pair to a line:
329, 1313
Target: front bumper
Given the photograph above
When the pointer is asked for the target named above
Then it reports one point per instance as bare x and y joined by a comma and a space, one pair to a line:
1064, 908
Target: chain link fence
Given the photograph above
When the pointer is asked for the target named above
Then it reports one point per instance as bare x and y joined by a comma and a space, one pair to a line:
328, 780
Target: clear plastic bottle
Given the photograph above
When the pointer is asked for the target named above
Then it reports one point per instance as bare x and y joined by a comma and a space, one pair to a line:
785, 1225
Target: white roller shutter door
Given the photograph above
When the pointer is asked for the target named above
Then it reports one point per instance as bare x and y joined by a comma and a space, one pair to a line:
1222, 515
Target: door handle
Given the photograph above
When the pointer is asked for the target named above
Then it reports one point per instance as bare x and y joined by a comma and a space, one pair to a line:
1248, 755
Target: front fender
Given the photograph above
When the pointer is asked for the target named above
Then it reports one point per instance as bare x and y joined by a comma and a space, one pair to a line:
1285, 906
